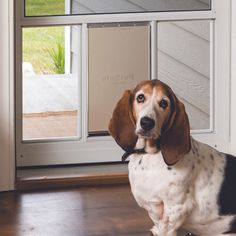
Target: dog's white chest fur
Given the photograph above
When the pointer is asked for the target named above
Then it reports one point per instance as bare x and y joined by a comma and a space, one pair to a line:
152, 180
188, 191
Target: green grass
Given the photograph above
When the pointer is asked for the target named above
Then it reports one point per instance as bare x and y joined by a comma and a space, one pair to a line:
37, 42
44, 7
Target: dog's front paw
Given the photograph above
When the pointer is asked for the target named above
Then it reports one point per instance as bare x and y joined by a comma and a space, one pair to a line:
154, 231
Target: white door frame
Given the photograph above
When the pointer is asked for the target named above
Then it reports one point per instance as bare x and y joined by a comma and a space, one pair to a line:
7, 144
91, 146
233, 78
220, 138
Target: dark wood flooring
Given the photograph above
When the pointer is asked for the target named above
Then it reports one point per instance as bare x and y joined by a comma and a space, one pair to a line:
87, 211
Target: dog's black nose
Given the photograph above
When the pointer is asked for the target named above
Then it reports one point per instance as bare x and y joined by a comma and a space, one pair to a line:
147, 123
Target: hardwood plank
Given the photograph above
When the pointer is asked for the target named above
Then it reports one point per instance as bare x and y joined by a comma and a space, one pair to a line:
100, 211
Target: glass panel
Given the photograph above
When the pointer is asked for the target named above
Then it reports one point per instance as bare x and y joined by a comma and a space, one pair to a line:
61, 7
50, 89
184, 64
119, 57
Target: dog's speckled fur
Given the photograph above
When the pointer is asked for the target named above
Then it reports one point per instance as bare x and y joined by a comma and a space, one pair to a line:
181, 182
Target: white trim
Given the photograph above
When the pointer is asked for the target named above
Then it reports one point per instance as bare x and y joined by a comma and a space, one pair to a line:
233, 77
222, 72
79, 75
12, 150
7, 156
18, 84
220, 137
154, 50
67, 40
67, 6
67, 48
106, 18
84, 91
212, 74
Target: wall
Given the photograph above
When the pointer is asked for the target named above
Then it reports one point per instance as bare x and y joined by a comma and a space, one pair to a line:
233, 77
6, 103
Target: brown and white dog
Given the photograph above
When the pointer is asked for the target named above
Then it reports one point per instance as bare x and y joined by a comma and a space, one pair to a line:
181, 182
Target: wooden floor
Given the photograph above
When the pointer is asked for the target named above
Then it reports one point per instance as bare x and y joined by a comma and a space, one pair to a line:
88, 211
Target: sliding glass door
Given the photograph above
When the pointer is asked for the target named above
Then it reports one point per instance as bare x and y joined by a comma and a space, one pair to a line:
74, 61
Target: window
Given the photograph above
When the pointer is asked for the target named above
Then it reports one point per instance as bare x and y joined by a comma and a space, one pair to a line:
184, 62
49, 84
108, 47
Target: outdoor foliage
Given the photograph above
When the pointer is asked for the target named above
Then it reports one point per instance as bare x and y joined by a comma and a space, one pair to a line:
36, 45
38, 41
44, 7
58, 56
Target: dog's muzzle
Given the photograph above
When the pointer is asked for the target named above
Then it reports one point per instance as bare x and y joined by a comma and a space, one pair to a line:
147, 123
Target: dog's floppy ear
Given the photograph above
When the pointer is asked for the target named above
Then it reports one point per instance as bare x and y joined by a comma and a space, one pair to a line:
122, 124
175, 140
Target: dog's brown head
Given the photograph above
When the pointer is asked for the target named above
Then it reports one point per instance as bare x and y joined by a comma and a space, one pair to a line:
151, 117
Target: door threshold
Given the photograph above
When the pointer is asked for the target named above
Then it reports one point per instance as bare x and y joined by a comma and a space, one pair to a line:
48, 178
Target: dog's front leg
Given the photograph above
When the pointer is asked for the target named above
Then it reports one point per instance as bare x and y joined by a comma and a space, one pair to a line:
165, 227
160, 220
162, 230
155, 211
174, 217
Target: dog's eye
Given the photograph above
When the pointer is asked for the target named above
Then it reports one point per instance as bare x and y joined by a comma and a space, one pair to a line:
163, 104
140, 98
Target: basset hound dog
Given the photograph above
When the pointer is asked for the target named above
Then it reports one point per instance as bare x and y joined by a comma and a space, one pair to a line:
182, 183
